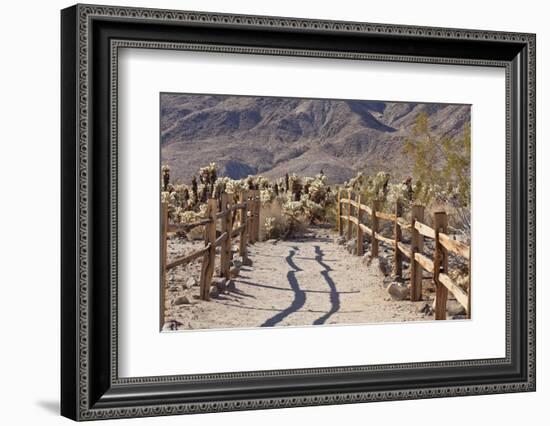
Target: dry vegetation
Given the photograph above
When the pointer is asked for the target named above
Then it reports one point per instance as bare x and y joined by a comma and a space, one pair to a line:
440, 181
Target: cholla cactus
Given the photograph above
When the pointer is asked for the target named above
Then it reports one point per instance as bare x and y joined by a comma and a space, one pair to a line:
270, 226
181, 195
267, 195
208, 174
319, 191
262, 182
292, 209
295, 186
356, 183
311, 209
185, 216
165, 171
235, 186
397, 192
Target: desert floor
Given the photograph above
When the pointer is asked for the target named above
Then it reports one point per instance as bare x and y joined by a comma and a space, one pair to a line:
301, 282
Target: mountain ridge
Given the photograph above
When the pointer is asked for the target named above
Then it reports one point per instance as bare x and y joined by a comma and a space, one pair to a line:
247, 135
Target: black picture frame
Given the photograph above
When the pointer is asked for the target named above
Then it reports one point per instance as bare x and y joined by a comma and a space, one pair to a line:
90, 386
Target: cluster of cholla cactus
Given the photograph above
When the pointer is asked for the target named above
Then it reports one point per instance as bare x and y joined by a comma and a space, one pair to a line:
302, 197
288, 204
448, 196
379, 187
311, 194
293, 202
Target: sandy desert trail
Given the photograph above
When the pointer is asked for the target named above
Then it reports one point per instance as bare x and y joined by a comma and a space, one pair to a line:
309, 281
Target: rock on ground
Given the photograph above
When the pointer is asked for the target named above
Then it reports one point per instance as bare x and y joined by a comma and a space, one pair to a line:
398, 291
182, 300
191, 282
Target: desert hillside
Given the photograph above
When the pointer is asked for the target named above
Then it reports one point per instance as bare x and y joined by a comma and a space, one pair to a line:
248, 135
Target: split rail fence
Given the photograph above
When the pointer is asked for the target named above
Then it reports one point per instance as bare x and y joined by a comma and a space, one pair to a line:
351, 210
236, 220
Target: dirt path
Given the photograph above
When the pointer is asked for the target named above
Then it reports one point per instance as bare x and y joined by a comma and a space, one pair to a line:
310, 281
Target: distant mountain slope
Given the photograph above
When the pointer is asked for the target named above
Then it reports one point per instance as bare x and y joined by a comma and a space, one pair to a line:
249, 135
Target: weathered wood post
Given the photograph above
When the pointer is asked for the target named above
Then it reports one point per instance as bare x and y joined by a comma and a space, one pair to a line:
350, 229
226, 226
163, 260
398, 257
440, 262
208, 262
417, 245
374, 241
360, 238
469, 307
256, 216
258, 211
339, 213
243, 221
252, 217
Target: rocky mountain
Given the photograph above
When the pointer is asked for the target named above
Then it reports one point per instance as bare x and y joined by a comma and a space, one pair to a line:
248, 135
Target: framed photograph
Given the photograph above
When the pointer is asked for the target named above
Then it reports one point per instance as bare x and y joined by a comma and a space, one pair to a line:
263, 212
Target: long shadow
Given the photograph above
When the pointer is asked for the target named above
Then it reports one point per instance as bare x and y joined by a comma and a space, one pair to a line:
226, 302
334, 295
299, 295
272, 287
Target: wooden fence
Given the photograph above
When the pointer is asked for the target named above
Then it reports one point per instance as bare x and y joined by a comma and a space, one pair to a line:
352, 211
236, 220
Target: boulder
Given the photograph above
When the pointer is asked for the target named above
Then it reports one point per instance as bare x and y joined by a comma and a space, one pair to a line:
384, 266
340, 240
425, 308
214, 292
234, 272
220, 283
455, 309
397, 291
191, 282
230, 286
182, 300
238, 261
387, 280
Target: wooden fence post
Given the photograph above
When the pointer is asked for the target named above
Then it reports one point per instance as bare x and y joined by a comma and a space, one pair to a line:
349, 233
440, 262
258, 210
256, 216
360, 238
243, 221
469, 307
374, 241
338, 214
163, 261
417, 245
398, 258
208, 262
226, 226
252, 211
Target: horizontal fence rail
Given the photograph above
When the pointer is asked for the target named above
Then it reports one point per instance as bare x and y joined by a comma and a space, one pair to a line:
245, 214
350, 211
